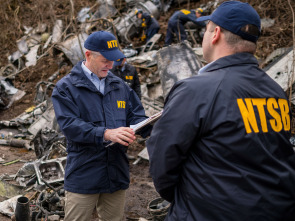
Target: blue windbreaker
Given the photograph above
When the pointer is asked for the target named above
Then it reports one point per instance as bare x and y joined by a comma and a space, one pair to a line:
183, 16
83, 114
151, 25
221, 150
176, 24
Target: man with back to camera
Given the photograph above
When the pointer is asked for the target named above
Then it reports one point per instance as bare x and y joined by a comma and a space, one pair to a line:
178, 20
221, 149
93, 108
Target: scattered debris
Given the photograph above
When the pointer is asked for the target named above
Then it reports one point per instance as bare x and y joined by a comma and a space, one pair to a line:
22, 209
281, 69
158, 208
50, 171
73, 47
8, 93
10, 162
16, 143
177, 62
8, 190
36, 128
7, 206
31, 57
142, 155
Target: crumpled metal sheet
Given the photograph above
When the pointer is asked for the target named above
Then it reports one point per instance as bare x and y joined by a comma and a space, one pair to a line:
281, 69
9, 190
73, 47
176, 62
143, 58
9, 94
83, 14
7, 207
45, 121
57, 31
31, 57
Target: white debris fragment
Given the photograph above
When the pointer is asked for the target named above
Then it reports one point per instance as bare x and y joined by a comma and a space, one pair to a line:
31, 57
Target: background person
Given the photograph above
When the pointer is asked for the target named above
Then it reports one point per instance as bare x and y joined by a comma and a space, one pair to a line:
93, 107
177, 21
221, 149
149, 24
128, 73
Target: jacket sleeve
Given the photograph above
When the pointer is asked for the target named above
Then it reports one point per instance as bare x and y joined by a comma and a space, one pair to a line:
192, 17
136, 113
74, 128
171, 138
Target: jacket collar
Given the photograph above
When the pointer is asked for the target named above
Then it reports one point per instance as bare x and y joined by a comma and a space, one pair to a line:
231, 60
79, 79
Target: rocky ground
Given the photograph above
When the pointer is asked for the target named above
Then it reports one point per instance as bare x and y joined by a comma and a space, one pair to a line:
16, 14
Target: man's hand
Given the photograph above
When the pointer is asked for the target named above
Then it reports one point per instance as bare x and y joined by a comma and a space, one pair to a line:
121, 135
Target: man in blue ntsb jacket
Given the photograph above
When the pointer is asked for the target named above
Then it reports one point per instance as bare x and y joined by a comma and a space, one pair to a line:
149, 24
178, 20
221, 149
128, 73
93, 107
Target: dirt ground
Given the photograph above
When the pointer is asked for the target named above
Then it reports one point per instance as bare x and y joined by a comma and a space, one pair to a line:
15, 14
138, 196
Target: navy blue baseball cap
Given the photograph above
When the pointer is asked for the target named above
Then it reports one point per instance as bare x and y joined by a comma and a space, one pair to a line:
105, 43
119, 62
234, 15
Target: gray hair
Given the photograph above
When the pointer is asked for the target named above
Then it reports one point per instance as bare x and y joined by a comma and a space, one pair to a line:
96, 53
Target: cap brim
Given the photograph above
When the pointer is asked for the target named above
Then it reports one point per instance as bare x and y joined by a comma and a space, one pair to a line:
204, 18
118, 63
113, 55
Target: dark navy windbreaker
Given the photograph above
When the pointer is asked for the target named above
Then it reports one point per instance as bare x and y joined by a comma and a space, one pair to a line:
221, 150
183, 16
83, 114
129, 75
151, 24
176, 25
150, 21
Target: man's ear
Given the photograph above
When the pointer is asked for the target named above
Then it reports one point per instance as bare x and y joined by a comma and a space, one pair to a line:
216, 35
87, 54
